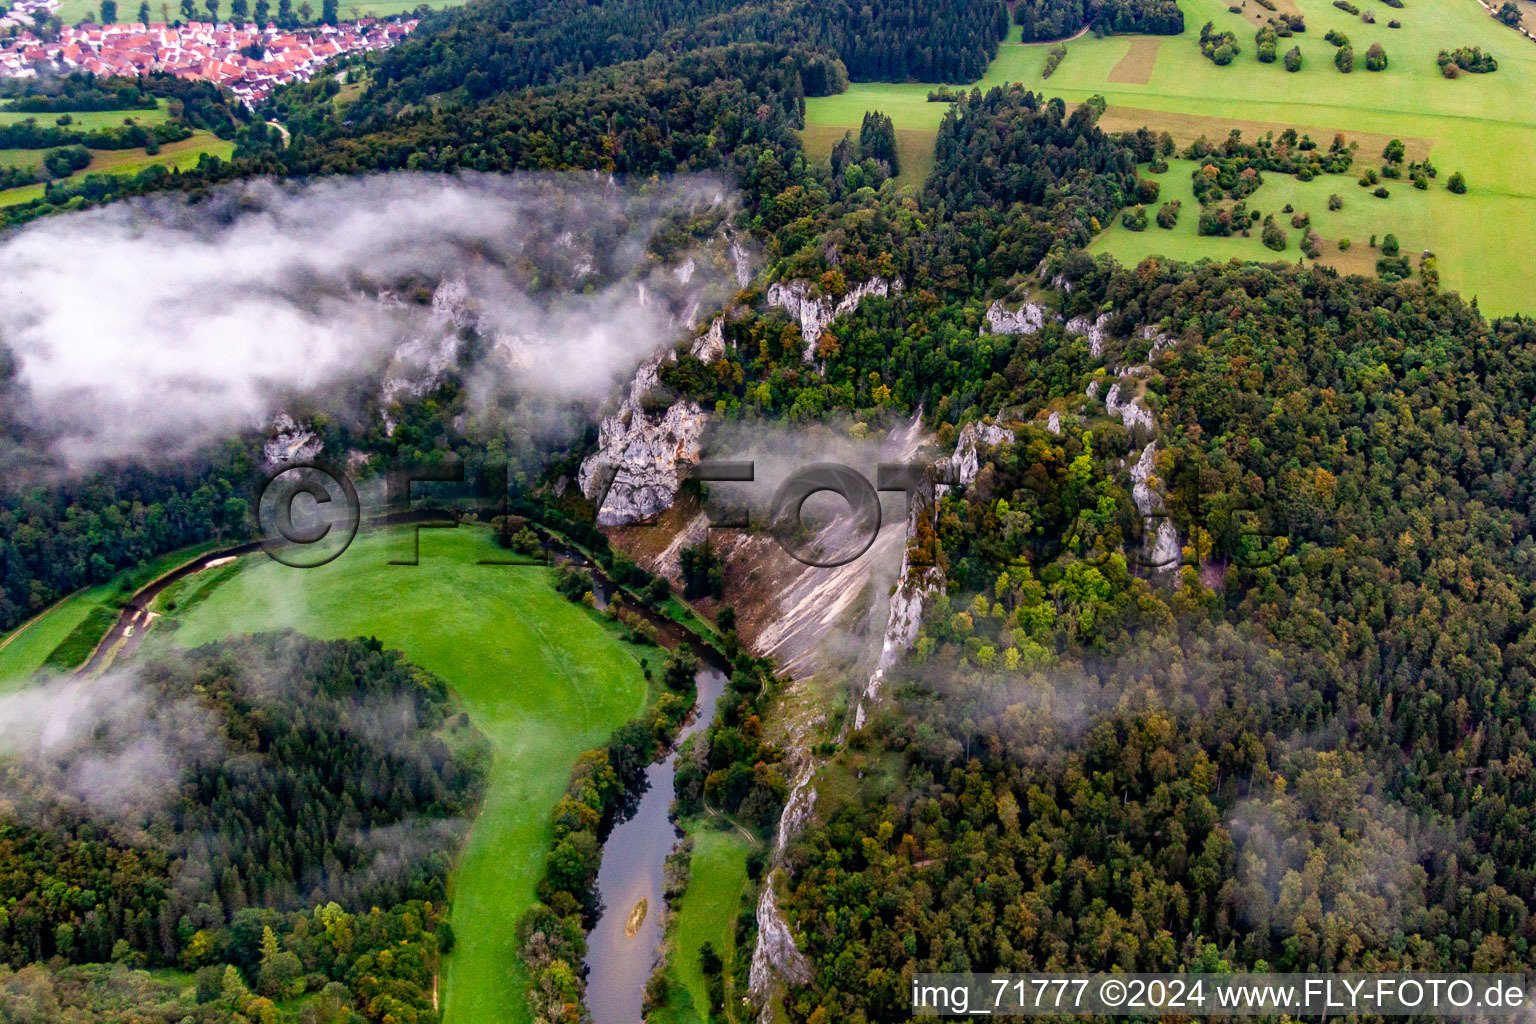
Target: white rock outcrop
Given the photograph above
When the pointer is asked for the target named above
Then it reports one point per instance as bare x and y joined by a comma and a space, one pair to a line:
1093, 330
1131, 412
776, 960
1027, 319
816, 315
960, 469
639, 462
641, 459
289, 442
1163, 547
710, 345
915, 587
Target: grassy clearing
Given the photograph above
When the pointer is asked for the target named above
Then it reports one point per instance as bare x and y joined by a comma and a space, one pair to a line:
1408, 213
541, 677
914, 147
707, 910
29, 159
175, 156
92, 119
1481, 125
24, 650
30, 644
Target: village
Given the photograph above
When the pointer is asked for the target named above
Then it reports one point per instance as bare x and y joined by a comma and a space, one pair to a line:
251, 61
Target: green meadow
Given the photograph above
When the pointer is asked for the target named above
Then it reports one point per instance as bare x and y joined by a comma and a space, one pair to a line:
706, 912
89, 120
1482, 125
175, 156
24, 649
541, 677
1408, 213
28, 646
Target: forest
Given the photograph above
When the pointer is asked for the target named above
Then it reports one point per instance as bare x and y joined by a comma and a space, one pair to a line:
322, 789
1061, 19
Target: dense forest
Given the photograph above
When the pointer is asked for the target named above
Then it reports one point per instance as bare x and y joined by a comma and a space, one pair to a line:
1306, 750
1060, 19
310, 823
508, 44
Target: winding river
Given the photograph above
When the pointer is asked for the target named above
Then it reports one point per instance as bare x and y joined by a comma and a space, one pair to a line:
621, 951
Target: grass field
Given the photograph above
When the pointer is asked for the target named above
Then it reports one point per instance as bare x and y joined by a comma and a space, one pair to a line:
31, 159
541, 677
914, 148
35, 640
707, 910
24, 649
1408, 213
1482, 125
181, 156
92, 119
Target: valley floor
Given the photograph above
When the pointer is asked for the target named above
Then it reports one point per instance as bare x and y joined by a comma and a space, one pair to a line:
540, 676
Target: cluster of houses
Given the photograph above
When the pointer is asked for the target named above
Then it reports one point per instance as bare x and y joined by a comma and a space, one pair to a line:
249, 60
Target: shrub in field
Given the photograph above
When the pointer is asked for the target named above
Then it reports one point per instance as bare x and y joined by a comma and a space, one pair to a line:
1466, 58
1293, 59
1375, 58
1344, 59
1274, 235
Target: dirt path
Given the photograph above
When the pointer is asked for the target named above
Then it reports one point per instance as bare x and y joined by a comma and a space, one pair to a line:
1052, 42
733, 823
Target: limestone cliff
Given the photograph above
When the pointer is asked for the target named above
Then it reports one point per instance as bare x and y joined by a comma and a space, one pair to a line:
641, 458
816, 315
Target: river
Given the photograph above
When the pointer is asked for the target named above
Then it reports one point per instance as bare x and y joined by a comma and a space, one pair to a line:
621, 956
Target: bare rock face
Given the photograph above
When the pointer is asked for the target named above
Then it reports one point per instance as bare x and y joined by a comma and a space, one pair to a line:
418, 365
1028, 319
743, 264
961, 467
638, 465
289, 443
1092, 330
1159, 340
776, 960
710, 345
816, 315
1164, 549
1132, 413
914, 589
641, 459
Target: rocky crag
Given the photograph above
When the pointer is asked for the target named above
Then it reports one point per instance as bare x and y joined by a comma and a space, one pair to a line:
815, 315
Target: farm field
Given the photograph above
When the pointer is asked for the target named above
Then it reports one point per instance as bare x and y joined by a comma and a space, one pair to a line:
541, 677
172, 156
914, 148
1473, 124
